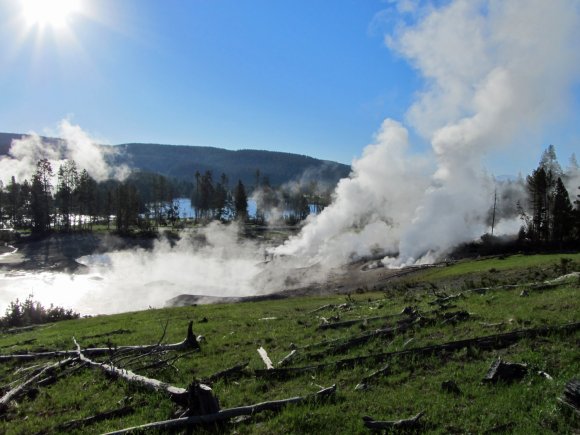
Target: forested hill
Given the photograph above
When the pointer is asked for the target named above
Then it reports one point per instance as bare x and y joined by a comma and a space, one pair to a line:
182, 162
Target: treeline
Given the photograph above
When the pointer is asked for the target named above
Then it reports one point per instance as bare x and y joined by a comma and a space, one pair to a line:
71, 200
550, 216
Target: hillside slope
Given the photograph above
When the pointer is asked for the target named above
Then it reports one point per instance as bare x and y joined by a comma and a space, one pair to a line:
182, 162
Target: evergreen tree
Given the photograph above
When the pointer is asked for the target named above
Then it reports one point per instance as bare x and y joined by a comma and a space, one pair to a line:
562, 213
241, 201
41, 197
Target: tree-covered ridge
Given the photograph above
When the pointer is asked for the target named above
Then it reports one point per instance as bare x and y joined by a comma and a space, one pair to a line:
180, 162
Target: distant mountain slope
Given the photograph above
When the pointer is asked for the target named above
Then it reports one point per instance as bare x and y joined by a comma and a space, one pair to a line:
181, 162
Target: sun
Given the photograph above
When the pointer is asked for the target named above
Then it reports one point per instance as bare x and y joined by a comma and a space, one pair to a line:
52, 13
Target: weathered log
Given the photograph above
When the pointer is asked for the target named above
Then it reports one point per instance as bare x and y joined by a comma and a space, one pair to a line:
363, 384
176, 394
347, 323
505, 371
407, 423
287, 358
388, 332
229, 373
571, 396
323, 307
226, 414
75, 424
201, 400
265, 358
496, 341
189, 342
445, 299
21, 389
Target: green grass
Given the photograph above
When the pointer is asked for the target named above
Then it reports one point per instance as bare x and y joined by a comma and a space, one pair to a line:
234, 332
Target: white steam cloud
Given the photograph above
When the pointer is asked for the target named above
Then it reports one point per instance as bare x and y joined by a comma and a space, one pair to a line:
74, 144
494, 70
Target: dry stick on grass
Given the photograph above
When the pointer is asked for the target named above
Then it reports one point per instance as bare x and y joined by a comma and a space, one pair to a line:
496, 341
226, 414
189, 342
176, 394
265, 358
19, 390
407, 423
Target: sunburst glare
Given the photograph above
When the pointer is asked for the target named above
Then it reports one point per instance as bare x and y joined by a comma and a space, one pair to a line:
52, 13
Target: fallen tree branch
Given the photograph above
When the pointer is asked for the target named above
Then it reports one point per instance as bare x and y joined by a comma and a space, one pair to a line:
407, 423
21, 389
189, 342
265, 358
571, 396
324, 307
226, 414
496, 341
176, 394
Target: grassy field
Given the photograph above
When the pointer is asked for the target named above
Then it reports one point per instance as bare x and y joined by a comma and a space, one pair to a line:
413, 384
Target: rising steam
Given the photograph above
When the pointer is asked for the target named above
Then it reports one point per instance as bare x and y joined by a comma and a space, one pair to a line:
492, 77
74, 144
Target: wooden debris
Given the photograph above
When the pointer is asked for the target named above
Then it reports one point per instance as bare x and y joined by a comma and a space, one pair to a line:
230, 373
571, 396
226, 414
287, 358
364, 383
407, 423
444, 299
201, 400
189, 342
324, 307
178, 395
505, 371
545, 375
107, 415
15, 393
265, 358
488, 342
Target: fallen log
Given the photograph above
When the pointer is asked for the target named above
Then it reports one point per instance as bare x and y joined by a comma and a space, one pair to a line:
340, 344
505, 371
21, 389
363, 384
189, 342
176, 394
571, 396
287, 358
75, 424
323, 307
407, 423
496, 341
229, 373
226, 414
265, 358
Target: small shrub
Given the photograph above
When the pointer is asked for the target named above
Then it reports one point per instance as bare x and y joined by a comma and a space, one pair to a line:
31, 312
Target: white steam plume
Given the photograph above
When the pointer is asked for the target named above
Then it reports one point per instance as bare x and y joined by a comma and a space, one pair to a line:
495, 71
74, 144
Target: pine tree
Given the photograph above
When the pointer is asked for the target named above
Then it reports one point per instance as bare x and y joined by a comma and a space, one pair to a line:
241, 201
562, 213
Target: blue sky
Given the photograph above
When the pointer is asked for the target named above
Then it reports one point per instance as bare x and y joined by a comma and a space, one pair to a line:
306, 76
